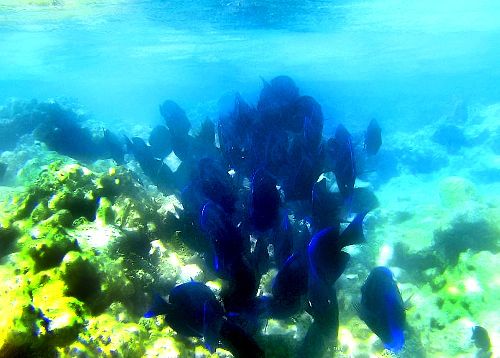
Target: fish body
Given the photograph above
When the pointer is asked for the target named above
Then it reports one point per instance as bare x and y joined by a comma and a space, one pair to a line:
265, 200
160, 142
289, 287
373, 137
311, 115
302, 172
175, 119
326, 207
482, 341
235, 129
192, 310
276, 101
326, 260
159, 173
323, 332
228, 244
283, 241
215, 183
113, 146
241, 343
383, 309
345, 166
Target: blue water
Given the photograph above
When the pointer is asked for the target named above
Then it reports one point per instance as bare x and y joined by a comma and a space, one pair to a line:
404, 61
408, 64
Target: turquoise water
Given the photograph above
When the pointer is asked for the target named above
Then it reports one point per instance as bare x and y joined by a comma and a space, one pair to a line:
359, 58
86, 239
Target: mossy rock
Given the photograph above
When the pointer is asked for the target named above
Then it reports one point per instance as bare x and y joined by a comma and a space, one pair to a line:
82, 277
8, 238
20, 320
96, 280
48, 246
165, 347
64, 316
104, 336
469, 290
470, 229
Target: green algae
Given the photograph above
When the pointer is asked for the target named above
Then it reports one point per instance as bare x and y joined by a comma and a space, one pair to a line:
76, 244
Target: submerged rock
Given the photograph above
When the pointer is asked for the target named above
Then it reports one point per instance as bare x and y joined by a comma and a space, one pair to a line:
456, 191
469, 229
80, 242
451, 137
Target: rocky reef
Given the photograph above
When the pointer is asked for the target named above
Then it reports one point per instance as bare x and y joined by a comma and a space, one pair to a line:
80, 249
83, 245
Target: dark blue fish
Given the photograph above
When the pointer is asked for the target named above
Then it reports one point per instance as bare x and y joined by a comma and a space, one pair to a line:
206, 134
234, 129
326, 207
265, 200
240, 343
353, 233
317, 340
138, 147
113, 146
276, 101
175, 118
289, 287
482, 341
345, 166
283, 241
323, 332
344, 162
229, 245
268, 149
192, 310
216, 184
192, 198
327, 261
154, 168
373, 138
242, 284
203, 143
160, 142
311, 114
383, 309
230, 253
182, 146
302, 172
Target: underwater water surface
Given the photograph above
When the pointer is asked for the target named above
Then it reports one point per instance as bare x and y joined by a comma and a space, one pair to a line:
226, 178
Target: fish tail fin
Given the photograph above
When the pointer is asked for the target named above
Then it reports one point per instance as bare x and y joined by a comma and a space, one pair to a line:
158, 307
353, 233
239, 341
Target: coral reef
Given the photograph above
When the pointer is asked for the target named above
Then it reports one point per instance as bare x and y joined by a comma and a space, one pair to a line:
75, 246
82, 246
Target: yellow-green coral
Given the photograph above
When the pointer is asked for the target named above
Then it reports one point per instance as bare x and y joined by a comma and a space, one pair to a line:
78, 244
18, 317
63, 315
